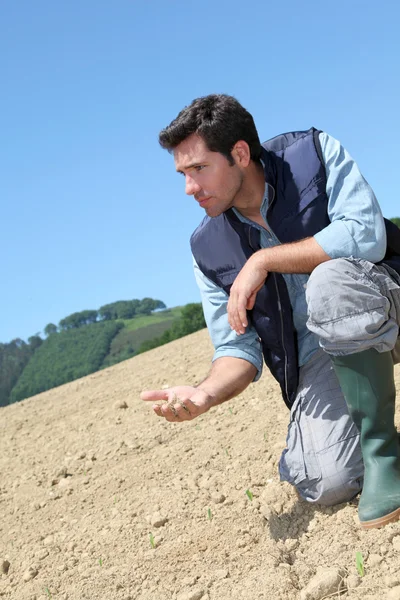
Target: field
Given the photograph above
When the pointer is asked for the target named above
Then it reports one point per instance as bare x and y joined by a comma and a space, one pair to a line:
102, 500
138, 330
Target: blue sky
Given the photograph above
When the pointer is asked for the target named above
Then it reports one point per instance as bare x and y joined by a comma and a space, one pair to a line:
91, 208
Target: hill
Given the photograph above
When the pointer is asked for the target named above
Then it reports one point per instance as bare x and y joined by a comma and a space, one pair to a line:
84, 345
85, 483
138, 330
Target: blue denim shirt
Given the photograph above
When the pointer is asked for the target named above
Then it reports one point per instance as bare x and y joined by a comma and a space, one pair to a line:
357, 229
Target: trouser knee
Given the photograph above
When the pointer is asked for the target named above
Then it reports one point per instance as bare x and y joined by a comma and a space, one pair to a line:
349, 307
331, 490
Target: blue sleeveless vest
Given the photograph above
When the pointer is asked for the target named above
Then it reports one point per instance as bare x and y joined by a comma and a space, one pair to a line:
221, 245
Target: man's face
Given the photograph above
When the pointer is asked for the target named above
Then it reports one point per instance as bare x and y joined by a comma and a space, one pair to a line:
209, 177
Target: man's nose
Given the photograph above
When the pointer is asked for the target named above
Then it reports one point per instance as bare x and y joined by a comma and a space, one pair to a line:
191, 187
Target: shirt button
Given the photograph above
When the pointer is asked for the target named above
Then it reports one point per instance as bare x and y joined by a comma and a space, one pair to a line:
305, 286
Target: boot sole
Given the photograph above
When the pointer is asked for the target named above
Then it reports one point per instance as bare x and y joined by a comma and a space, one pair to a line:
382, 521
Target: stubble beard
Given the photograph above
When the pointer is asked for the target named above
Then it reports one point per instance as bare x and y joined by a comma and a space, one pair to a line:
227, 204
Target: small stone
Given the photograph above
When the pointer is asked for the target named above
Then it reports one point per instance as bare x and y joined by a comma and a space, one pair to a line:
374, 560
120, 404
221, 574
353, 581
42, 554
396, 543
71, 546
63, 483
48, 541
30, 574
217, 498
5, 565
266, 511
391, 580
189, 581
241, 543
324, 583
157, 520
191, 595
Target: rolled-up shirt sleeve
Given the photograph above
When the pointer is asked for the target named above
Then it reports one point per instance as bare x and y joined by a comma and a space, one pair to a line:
357, 227
226, 342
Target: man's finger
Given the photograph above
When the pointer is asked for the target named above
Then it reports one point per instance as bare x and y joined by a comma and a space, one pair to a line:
154, 395
157, 410
242, 314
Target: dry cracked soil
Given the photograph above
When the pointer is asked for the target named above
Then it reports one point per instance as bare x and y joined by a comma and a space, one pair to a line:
102, 500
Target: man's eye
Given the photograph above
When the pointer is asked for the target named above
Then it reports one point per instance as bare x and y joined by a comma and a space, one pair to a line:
199, 168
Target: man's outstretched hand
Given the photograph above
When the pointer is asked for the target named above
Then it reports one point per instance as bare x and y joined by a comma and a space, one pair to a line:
182, 402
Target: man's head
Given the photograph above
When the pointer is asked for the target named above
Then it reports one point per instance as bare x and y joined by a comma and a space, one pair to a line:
213, 140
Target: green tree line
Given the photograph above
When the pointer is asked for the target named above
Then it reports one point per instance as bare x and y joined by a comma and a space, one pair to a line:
122, 309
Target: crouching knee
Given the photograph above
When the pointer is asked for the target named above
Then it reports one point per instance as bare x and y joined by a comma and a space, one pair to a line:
331, 490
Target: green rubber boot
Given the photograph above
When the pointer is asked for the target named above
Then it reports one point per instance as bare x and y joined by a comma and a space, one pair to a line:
367, 383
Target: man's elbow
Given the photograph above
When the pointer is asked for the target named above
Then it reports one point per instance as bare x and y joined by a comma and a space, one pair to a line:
374, 252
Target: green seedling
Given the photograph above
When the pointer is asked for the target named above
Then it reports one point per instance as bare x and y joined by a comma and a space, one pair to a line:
101, 562
209, 515
198, 427
249, 494
360, 564
227, 452
230, 410
152, 541
46, 589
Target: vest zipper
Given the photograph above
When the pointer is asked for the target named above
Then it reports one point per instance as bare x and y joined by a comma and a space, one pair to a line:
283, 337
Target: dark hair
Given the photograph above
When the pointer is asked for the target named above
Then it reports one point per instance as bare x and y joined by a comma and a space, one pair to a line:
220, 120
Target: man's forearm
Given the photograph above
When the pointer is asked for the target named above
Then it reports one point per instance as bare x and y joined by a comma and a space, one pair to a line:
228, 377
297, 257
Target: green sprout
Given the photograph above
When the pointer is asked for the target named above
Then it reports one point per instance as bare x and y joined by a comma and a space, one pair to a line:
230, 410
152, 541
209, 515
249, 494
360, 564
46, 589
101, 562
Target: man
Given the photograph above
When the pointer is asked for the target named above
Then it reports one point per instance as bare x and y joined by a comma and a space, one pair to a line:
295, 262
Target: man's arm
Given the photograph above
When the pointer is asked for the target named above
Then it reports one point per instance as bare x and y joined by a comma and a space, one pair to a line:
297, 257
236, 363
228, 377
357, 229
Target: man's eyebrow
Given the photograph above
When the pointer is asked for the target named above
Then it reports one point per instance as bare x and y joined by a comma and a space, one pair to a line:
190, 166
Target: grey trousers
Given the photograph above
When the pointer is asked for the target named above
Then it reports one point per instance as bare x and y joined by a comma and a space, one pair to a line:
353, 305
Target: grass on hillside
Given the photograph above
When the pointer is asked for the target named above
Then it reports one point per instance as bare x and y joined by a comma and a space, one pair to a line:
143, 321
138, 330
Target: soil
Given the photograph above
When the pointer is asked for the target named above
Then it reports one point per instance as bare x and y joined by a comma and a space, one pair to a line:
102, 500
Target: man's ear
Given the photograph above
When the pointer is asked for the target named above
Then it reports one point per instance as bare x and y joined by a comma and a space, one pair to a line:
241, 153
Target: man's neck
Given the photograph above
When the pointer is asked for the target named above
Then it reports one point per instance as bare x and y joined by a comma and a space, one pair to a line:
250, 198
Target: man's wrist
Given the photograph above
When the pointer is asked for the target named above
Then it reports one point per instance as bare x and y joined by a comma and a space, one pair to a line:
261, 258
212, 396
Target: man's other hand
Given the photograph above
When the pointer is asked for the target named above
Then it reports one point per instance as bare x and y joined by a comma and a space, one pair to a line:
181, 403
244, 291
